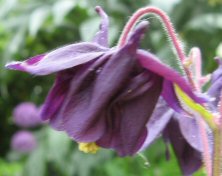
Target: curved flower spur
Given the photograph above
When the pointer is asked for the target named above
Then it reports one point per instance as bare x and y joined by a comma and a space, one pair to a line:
105, 96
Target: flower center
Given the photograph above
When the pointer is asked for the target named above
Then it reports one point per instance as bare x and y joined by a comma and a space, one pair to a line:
90, 147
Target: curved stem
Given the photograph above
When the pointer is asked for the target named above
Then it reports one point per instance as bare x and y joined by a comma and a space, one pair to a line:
166, 22
168, 26
206, 150
217, 152
217, 155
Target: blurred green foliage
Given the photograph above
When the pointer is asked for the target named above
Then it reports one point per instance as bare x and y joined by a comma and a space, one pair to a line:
30, 27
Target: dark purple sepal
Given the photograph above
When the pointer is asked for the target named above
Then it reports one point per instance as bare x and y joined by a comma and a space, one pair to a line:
158, 121
189, 159
65, 57
216, 85
131, 111
57, 94
170, 96
101, 36
152, 63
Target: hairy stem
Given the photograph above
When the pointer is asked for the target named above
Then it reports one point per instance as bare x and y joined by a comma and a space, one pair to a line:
206, 150
217, 152
170, 31
217, 155
165, 21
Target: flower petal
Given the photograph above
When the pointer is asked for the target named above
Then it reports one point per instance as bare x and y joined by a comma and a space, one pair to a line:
59, 59
216, 85
218, 72
191, 132
102, 36
151, 62
57, 94
126, 131
158, 121
170, 97
78, 94
189, 159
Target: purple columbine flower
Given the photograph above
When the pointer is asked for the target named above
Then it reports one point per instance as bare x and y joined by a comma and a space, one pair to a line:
23, 141
26, 115
102, 95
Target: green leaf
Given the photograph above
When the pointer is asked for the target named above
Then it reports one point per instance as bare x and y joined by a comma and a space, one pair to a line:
219, 50
36, 163
206, 22
10, 169
37, 18
89, 28
58, 146
60, 9
6, 7
16, 41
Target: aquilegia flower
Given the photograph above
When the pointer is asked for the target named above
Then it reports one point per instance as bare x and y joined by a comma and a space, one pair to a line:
23, 141
105, 96
26, 115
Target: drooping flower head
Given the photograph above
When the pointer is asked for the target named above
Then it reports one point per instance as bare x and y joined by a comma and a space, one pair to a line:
105, 96
26, 115
23, 141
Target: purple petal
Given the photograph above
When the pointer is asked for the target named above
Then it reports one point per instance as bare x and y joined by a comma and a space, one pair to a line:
218, 72
60, 59
170, 97
151, 62
16, 65
189, 159
131, 111
216, 85
56, 95
158, 121
78, 96
102, 36
191, 132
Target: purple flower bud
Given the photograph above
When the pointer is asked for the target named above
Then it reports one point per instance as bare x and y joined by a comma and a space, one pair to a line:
23, 141
26, 115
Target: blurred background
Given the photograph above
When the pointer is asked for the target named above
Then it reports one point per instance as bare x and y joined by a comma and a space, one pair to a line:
30, 27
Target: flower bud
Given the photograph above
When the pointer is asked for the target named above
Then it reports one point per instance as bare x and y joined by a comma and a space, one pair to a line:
26, 115
23, 141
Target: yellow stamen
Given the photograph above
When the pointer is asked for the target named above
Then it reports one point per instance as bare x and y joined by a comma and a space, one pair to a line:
90, 147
